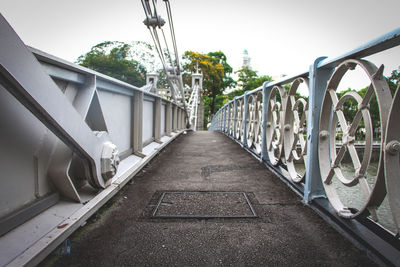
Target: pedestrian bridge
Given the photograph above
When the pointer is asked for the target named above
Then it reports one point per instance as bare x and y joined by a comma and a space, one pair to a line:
285, 232
266, 193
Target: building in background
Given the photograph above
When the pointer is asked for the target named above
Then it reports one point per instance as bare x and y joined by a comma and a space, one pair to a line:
246, 60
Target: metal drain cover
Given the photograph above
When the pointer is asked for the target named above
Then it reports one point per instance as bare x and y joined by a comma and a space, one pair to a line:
204, 205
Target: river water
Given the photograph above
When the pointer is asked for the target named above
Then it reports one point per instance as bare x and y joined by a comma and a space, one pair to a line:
353, 197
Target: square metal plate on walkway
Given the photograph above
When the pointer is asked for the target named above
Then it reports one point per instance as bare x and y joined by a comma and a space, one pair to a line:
203, 205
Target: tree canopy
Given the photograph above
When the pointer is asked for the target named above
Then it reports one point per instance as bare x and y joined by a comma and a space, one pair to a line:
216, 77
125, 62
248, 79
350, 107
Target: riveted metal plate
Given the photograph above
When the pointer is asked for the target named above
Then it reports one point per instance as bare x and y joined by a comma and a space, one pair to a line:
204, 205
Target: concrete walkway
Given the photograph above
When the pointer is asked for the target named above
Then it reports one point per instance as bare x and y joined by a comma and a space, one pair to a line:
285, 233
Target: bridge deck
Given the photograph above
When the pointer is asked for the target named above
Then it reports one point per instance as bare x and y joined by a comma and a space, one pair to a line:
285, 233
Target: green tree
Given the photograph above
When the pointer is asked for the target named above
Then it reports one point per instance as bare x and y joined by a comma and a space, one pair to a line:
115, 59
394, 81
216, 77
248, 79
350, 107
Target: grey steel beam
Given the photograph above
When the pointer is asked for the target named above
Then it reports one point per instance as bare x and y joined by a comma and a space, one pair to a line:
23, 76
15, 219
318, 78
168, 117
157, 121
137, 117
63, 74
115, 88
174, 118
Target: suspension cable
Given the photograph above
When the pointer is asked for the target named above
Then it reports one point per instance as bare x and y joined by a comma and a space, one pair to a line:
169, 54
146, 11
159, 52
154, 22
171, 26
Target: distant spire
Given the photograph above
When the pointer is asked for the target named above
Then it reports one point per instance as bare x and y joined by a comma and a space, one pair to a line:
246, 59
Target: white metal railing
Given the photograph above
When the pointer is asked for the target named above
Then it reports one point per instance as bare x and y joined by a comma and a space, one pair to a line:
70, 138
293, 133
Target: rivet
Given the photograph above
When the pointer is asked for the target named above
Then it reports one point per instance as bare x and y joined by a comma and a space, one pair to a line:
323, 135
393, 147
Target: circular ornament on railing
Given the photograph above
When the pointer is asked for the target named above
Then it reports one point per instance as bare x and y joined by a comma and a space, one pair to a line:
274, 127
333, 116
295, 130
231, 112
239, 118
258, 123
392, 159
250, 121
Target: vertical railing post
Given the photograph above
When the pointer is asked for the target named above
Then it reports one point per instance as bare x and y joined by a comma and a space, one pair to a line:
137, 124
157, 120
225, 115
168, 117
319, 78
220, 120
178, 120
216, 122
229, 118
245, 115
226, 119
265, 96
183, 120
174, 117
217, 117
234, 116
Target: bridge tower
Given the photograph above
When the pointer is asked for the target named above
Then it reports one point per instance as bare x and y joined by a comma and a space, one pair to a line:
197, 84
152, 78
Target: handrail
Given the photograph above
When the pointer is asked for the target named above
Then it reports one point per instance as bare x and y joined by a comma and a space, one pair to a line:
284, 130
70, 132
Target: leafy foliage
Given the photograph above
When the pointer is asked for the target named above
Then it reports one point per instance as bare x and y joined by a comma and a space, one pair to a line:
394, 81
247, 80
350, 107
125, 62
216, 77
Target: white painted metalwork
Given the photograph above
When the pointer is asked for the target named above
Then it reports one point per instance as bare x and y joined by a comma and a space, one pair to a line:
275, 120
392, 159
193, 105
295, 128
231, 118
332, 115
286, 130
89, 134
239, 119
170, 62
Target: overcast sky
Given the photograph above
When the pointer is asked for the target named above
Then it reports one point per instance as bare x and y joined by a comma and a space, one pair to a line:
282, 36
